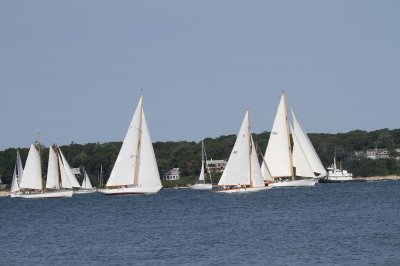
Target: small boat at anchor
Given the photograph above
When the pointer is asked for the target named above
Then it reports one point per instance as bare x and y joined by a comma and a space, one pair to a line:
86, 186
201, 183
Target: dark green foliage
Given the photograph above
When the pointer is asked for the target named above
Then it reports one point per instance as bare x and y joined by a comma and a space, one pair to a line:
187, 155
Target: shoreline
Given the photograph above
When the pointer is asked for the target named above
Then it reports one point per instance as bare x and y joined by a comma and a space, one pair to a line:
378, 178
4, 193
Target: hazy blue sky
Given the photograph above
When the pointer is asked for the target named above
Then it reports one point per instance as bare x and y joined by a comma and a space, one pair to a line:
73, 69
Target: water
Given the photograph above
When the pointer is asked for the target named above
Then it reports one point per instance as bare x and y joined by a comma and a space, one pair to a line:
331, 224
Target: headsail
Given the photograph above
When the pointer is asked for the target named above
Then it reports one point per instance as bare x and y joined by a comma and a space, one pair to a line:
71, 177
32, 176
307, 147
303, 167
64, 177
148, 175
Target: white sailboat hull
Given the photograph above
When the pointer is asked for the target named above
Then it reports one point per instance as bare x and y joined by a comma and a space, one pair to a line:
243, 190
296, 183
85, 191
130, 190
201, 187
52, 194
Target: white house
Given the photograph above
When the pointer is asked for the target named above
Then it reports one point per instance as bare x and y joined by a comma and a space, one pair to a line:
173, 174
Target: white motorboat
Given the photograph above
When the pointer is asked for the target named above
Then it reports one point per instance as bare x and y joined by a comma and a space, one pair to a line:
336, 175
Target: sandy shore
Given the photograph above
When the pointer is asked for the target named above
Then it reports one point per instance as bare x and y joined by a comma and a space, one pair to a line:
4, 193
377, 178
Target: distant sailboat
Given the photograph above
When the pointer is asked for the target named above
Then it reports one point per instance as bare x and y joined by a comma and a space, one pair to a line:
86, 185
281, 159
31, 185
242, 172
201, 184
18, 171
135, 170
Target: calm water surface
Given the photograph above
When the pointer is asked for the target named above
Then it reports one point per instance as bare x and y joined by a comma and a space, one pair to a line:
330, 224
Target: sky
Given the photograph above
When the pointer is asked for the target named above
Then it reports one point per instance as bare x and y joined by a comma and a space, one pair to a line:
74, 69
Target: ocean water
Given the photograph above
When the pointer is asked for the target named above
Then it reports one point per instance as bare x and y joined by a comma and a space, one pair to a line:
330, 224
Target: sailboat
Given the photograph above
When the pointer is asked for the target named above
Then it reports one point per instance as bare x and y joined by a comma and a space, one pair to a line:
201, 184
135, 170
18, 171
282, 162
242, 172
31, 185
86, 186
100, 178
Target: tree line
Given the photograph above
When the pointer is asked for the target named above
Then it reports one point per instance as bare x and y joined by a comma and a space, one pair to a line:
186, 155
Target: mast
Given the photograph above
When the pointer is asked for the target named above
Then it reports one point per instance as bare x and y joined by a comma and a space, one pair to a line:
250, 147
202, 153
84, 178
135, 176
288, 135
101, 176
208, 169
39, 148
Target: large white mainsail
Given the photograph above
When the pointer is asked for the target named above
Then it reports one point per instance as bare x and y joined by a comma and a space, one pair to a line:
53, 176
243, 167
71, 177
123, 171
307, 147
136, 167
32, 176
277, 154
300, 162
237, 168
